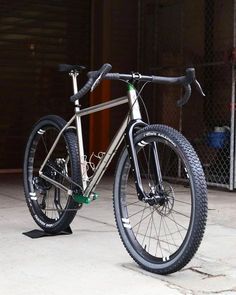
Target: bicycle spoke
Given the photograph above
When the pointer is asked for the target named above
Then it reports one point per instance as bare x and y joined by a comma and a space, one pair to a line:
44, 143
134, 203
147, 229
140, 222
165, 234
137, 212
182, 202
159, 236
177, 225
179, 213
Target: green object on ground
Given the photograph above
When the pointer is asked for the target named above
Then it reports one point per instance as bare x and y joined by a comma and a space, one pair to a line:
82, 199
85, 200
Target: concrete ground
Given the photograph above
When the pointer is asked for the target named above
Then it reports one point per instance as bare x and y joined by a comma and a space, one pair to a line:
93, 260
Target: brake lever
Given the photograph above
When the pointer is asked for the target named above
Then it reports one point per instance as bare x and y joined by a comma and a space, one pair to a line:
103, 71
96, 82
198, 87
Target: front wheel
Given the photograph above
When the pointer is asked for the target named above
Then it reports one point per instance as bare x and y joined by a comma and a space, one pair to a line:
163, 233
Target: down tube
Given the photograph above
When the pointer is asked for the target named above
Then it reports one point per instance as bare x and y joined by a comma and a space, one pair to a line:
105, 161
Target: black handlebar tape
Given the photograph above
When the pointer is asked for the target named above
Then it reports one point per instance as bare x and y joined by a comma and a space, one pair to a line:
168, 80
101, 72
93, 75
186, 96
105, 69
112, 76
82, 91
190, 75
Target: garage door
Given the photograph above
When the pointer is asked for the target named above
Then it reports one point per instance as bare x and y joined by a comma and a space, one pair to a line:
35, 36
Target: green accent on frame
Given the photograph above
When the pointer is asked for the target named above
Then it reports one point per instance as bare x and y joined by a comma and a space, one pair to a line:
130, 87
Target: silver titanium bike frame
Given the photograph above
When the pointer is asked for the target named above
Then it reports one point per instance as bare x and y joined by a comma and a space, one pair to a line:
90, 184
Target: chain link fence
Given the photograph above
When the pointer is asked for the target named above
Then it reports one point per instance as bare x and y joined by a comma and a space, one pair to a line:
196, 33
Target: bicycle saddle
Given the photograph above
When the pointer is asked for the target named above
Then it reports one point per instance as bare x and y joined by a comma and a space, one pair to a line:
69, 68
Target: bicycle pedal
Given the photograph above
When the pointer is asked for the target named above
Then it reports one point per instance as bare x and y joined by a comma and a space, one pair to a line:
85, 200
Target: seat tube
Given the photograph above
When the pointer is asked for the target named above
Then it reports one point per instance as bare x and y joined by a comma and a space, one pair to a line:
82, 163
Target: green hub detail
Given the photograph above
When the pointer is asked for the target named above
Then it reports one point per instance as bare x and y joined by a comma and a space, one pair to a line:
85, 200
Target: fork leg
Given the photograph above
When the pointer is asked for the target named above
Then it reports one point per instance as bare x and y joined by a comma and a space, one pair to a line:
154, 159
129, 135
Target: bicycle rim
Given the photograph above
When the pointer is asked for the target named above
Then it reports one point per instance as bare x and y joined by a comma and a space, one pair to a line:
158, 232
48, 201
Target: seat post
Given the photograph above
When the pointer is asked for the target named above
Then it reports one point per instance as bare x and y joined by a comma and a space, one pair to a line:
74, 75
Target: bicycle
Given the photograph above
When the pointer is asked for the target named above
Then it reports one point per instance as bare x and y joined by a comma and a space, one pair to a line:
159, 194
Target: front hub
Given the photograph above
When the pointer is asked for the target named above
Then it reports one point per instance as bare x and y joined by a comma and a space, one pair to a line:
161, 200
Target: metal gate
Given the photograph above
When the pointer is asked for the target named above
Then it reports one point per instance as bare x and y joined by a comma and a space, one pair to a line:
175, 34
234, 152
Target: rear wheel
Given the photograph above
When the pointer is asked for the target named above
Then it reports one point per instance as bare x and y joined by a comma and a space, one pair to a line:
162, 233
51, 207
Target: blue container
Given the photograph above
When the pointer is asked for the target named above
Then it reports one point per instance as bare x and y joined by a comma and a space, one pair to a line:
217, 140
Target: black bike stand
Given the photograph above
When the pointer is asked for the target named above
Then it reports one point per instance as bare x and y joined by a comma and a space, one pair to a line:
37, 233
